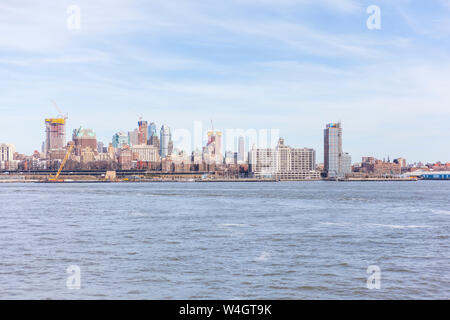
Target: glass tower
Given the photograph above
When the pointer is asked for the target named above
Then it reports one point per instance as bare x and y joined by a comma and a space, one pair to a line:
333, 150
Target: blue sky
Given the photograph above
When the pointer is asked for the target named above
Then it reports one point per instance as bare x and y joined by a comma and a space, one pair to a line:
293, 65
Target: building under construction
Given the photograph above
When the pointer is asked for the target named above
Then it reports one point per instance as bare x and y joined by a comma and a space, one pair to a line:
55, 134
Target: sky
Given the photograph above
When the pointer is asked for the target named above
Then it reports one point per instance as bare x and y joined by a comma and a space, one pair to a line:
291, 65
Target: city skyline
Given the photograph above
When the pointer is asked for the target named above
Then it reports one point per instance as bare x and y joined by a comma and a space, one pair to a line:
117, 139
292, 65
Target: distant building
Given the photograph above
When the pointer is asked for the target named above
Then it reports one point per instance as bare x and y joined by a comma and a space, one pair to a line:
154, 141
7, 157
401, 162
336, 162
7, 152
125, 158
229, 157
145, 153
241, 150
55, 134
142, 132
120, 139
196, 157
133, 137
374, 167
84, 138
165, 141
152, 130
214, 145
283, 162
346, 164
99, 147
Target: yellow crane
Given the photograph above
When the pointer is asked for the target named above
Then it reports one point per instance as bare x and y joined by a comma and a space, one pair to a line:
66, 157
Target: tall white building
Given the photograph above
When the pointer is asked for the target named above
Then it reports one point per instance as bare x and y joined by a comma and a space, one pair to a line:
7, 157
133, 137
241, 150
283, 162
7, 152
165, 141
346, 164
336, 163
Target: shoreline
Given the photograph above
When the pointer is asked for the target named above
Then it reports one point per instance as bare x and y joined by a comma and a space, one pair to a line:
69, 181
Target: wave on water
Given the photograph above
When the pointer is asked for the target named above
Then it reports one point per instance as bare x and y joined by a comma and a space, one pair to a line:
231, 225
138, 214
263, 257
336, 223
447, 212
397, 226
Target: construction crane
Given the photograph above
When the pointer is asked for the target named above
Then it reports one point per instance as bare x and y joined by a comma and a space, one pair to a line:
66, 157
60, 113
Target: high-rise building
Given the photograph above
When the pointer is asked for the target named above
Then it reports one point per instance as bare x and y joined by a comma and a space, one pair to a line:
214, 145
133, 137
125, 157
154, 141
165, 141
120, 139
283, 162
7, 152
241, 150
229, 157
142, 132
152, 130
7, 157
336, 163
55, 134
346, 164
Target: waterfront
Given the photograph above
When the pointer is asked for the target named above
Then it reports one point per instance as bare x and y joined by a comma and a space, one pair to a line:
289, 240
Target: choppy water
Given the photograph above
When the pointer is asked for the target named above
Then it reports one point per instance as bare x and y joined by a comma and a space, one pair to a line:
293, 240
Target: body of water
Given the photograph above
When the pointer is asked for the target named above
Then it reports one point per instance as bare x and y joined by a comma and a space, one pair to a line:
289, 240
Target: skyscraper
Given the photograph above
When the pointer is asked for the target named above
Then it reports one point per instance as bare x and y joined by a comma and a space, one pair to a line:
336, 162
241, 150
165, 141
120, 139
133, 137
214, 145
55, 134
152, 131
143, 131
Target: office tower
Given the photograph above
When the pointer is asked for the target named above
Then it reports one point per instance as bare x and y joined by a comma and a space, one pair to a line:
165, 141
7, 152
125, 157
214, 145
241, 150
120, 139
283, 162
55, 134
346, 164
336, 162
133, 137
7, 157
154, 141
152, 130
142, 131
